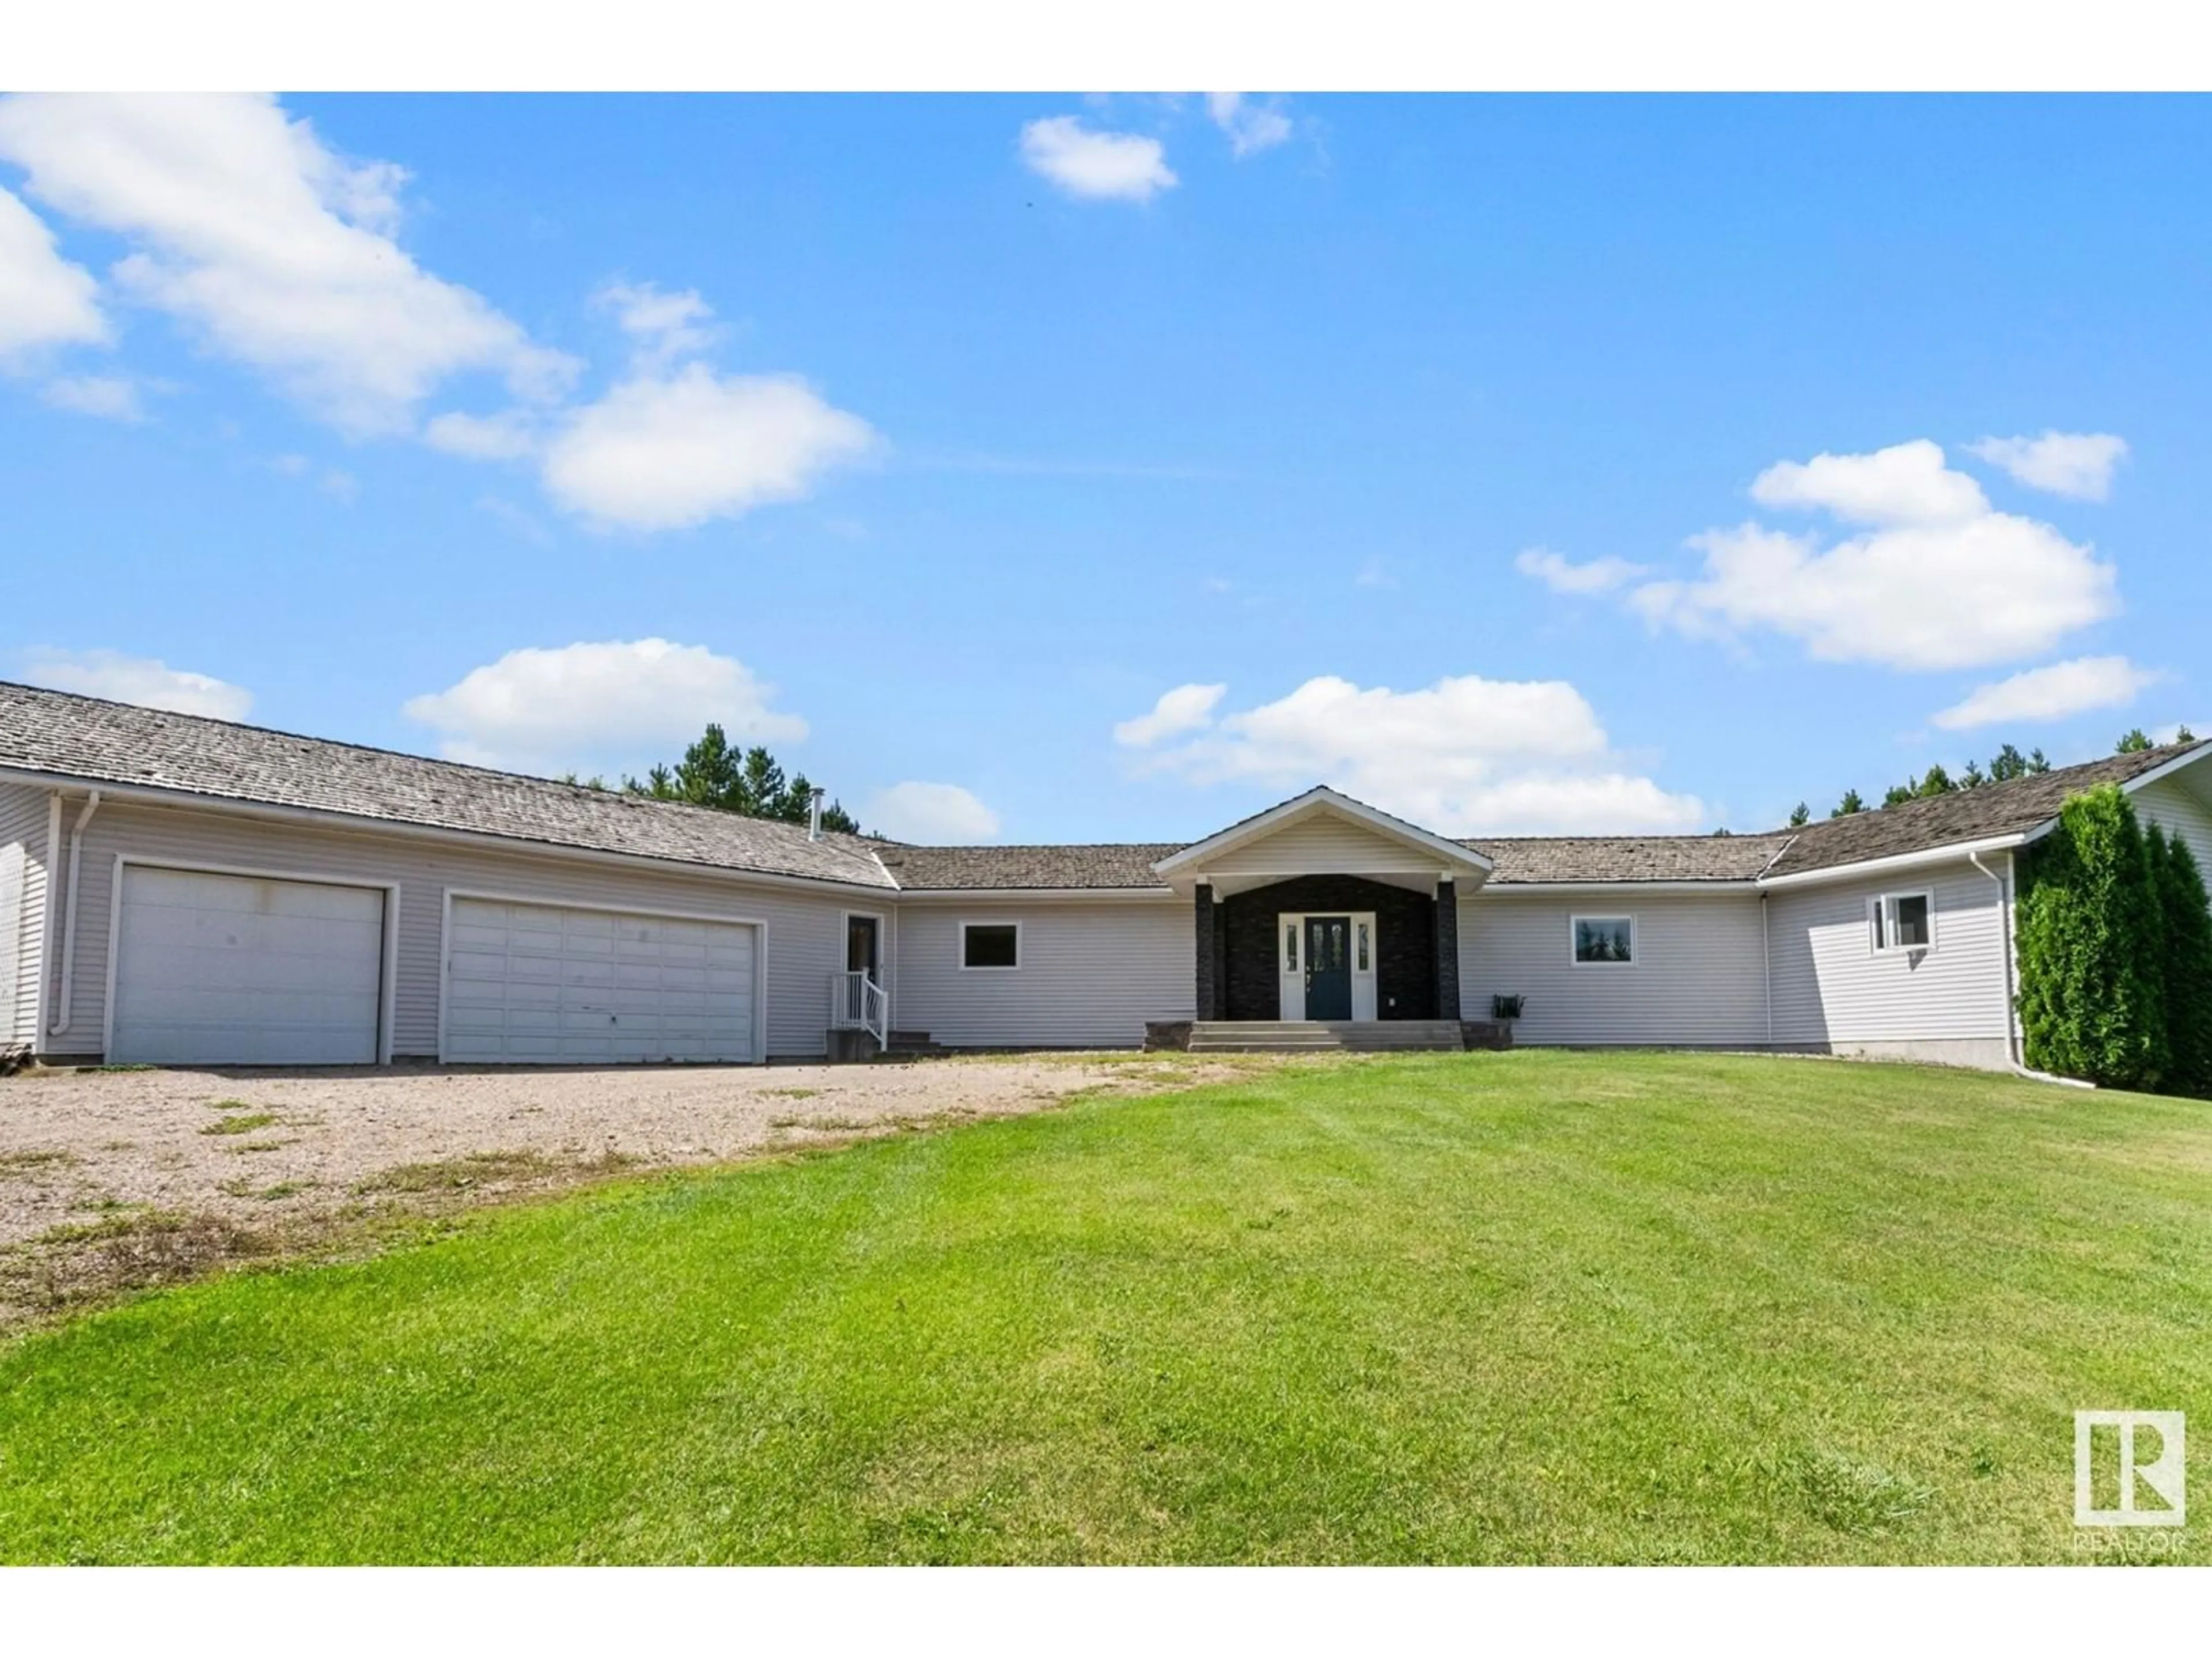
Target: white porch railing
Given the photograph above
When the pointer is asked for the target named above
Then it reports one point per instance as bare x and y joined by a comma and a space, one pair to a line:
857, 1003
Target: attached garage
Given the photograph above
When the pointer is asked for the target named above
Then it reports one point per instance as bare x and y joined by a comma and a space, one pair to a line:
575, 985
217, 968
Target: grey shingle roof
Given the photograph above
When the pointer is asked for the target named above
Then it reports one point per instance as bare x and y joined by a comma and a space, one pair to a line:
59, 733
1967, 815
946, 869
1522, 859
87, 738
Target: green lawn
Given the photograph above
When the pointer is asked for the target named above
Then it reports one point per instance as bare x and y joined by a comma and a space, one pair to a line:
1536, 1307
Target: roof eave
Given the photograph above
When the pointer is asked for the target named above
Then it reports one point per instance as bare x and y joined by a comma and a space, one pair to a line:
329, 818
1948, 853
1321, 798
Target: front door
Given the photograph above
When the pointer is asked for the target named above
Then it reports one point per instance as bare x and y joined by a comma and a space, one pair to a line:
1328, 968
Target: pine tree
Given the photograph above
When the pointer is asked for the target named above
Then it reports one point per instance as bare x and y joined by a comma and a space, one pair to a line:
1972, 777
2092, 997
709, 776
2133, 742
2187, 914
1937, 782
762, 789
1800, 815
2007, 764
1899, 794
1850, 804
2182, 734
2037, 765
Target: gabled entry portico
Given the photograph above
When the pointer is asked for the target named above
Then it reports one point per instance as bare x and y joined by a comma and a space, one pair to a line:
1325, 908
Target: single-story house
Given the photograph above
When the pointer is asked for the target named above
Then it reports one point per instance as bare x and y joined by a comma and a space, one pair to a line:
177, 889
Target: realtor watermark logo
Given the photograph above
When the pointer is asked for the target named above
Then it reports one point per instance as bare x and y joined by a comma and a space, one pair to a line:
2145, 1450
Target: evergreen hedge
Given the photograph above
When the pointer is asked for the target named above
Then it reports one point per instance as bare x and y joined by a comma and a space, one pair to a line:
2188, 965
2092, 998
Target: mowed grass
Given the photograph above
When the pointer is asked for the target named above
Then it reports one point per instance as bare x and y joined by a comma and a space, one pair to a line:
1536, 1307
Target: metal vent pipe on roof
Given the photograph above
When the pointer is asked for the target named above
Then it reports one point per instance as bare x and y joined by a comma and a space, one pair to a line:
814, 814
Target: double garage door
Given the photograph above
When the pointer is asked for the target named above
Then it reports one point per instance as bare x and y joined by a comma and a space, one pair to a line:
214, 968
556, 985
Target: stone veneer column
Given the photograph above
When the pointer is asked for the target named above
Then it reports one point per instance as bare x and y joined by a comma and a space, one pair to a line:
1203, 954
1448, 951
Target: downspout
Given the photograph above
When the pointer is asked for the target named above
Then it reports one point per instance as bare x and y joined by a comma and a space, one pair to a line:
61, 1020
1767, 971
2013, 1061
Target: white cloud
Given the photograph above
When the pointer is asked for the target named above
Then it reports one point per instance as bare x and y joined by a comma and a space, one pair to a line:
110, 396
275, 251
2051, 693
44, 300
1084, 161
1251, 127
143, 680
2076, 464
663, 452
508, 436
1465, 756
943, 814
1906, 483
619, 701
665, 326
1186, 708
1562, 576
1940, 581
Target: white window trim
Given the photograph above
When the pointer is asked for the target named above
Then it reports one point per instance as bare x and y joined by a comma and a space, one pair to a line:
1014, 967
1635, 945
1882, 931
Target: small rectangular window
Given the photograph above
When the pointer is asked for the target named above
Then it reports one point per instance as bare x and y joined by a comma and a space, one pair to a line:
1362, 963
1291, 947
1905, 922
1604, 940
990, 945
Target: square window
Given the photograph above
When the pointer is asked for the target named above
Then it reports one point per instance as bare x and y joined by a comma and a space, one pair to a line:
990, 945
1905, 922
1605, 940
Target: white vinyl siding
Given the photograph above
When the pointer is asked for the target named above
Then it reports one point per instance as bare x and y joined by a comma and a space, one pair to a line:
235, 970
1327, 843
1091, 974
1697, 978
805, 941
567, 986
24, 820
1832, 986
2170, 804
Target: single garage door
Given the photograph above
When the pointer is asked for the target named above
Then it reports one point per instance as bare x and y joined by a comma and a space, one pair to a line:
553, 985
241, 970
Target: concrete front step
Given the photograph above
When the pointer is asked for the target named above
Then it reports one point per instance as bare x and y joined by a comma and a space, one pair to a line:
1319, 1036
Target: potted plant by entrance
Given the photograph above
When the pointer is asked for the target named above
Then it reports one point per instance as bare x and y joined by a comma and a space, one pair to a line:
1504, 1011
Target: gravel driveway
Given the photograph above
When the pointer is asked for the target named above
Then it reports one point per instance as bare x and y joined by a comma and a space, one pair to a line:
111, 1179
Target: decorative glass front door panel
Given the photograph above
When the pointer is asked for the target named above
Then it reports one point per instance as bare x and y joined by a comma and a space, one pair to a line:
1328, 968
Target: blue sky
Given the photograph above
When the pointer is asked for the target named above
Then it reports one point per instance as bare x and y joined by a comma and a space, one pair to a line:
1470, 446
